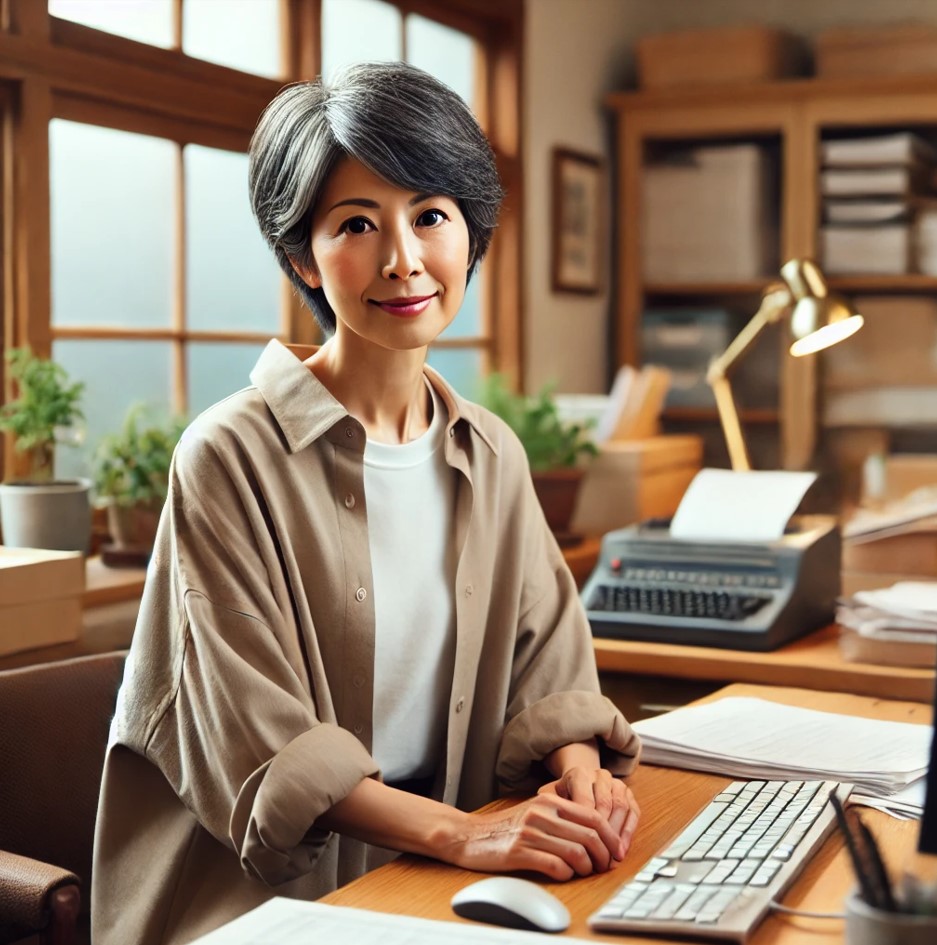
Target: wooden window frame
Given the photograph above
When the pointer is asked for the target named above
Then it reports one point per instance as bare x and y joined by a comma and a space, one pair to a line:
55, 68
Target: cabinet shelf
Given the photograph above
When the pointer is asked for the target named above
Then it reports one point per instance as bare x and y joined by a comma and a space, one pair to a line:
910, 282
696, 289
765, 415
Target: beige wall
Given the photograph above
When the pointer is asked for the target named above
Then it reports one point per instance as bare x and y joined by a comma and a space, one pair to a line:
575, 52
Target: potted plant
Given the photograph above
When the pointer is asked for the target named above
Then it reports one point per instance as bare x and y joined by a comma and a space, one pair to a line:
555, 448
39, 511
131, 472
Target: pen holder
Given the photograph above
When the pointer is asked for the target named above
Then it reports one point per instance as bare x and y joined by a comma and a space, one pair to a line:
866, 925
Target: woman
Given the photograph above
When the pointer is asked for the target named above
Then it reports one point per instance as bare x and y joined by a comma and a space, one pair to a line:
356, 627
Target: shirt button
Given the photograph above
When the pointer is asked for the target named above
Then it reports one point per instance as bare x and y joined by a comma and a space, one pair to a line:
349, 501
361, 593
349, 432
460, 705
359, 728
358, 681
469, 590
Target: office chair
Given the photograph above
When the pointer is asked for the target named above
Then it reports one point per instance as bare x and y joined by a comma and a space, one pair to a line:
54, 721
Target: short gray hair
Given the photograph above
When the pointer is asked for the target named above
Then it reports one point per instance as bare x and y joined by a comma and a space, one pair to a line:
401, 123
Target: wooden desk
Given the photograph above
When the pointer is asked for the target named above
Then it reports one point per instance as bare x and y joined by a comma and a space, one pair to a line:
813, 662
669, 799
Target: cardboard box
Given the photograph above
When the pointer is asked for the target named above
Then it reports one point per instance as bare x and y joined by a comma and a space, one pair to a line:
40, 597
634, 480
903, 49
717, 57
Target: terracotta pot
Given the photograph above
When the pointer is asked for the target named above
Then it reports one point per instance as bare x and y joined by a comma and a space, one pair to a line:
133, 526
557, 490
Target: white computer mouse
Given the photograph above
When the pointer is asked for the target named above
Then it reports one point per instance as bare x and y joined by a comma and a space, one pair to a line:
515, 903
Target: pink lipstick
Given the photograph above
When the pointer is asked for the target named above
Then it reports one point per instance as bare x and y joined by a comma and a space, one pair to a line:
404, 306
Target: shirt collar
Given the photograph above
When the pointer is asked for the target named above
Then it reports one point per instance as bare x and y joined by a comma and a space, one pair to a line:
305, 410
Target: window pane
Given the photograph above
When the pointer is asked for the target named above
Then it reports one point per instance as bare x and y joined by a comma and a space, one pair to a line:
241, 34
147, 21
461, 367
443, 52
116, 375
112, 195
232, 278
468, 320
217, 369
359, 31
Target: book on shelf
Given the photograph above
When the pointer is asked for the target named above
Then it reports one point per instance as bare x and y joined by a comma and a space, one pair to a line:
903, 147
868, 212
892, 406
883, 181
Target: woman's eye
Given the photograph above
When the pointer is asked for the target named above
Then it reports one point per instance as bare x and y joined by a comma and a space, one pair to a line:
356, 226
431, 218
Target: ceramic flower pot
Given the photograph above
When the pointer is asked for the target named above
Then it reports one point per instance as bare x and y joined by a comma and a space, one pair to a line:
55, 515
557, 490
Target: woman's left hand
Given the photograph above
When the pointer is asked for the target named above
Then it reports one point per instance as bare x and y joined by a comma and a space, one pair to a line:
600, 789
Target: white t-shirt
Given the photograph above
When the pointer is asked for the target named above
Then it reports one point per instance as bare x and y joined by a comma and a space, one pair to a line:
410, 493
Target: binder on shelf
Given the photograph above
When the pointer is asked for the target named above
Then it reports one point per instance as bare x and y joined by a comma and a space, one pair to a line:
863, 250
877, 181
903, 147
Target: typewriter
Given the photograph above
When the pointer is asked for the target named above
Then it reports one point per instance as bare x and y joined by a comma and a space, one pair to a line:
746, 596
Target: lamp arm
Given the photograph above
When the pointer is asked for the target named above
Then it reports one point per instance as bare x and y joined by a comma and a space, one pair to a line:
773, 304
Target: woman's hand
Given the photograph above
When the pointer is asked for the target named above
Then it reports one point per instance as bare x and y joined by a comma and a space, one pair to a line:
601, 790
550, 834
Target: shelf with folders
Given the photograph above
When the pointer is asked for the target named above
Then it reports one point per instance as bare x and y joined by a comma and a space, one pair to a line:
792, 120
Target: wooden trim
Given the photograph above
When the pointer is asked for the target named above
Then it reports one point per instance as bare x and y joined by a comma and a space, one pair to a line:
88, 111
301, 38
205, 93
105, 333
180, 381
27, 18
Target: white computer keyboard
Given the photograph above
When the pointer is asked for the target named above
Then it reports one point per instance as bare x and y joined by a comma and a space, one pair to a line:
718, 877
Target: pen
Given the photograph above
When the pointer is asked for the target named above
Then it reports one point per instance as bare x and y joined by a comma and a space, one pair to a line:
866, 859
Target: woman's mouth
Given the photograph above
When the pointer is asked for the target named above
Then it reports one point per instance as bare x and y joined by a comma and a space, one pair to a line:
404, 306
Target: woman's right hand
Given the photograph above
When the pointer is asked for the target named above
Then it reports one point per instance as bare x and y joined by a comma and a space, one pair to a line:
547, 834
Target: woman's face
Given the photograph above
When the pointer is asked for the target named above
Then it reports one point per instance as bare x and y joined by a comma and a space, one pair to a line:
393, 263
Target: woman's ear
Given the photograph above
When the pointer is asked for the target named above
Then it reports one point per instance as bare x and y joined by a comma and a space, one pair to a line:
308, 273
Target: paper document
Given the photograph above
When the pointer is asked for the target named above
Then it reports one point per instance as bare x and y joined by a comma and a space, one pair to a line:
756, 738
291, 922
725, 505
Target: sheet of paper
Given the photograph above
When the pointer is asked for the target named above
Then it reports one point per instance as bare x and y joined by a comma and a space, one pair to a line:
906, 599
290, 922
736, 735
725, 505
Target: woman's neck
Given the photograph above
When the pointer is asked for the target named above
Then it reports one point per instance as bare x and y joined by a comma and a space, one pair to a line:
383, 389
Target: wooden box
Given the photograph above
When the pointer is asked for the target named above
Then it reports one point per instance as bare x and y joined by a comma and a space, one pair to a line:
717, 56
876, 51
634, 480
40, 597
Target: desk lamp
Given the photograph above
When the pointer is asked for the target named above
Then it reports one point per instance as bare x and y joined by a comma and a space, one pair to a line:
819, 318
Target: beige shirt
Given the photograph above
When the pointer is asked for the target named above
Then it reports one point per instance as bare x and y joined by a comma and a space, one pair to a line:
246, 708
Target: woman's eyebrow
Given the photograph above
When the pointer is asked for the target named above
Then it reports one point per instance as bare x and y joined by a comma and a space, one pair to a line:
356, 202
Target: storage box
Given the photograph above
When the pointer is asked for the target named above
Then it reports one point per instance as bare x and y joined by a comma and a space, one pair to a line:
634, 480
717, 56
876, 50
709, 214
685, 341
40, 597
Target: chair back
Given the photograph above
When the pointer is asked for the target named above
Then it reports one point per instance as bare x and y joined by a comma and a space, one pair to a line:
54, 722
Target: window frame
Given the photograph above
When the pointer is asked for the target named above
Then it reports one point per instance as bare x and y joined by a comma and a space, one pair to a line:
54, 68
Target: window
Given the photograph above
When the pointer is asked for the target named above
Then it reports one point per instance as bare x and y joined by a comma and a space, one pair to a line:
129, 252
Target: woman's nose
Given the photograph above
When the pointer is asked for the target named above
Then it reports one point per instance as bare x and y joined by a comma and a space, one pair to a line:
402, 258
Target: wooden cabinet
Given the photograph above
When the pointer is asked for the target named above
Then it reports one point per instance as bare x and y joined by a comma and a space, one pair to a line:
789, 119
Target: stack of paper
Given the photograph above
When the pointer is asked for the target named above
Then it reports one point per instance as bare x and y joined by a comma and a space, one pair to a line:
895, 626
754, 738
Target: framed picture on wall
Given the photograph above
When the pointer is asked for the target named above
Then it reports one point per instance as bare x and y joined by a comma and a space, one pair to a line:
577, 222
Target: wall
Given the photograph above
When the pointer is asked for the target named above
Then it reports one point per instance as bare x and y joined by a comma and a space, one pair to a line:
575, 52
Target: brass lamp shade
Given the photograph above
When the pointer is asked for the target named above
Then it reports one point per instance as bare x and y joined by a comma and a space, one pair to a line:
819, 318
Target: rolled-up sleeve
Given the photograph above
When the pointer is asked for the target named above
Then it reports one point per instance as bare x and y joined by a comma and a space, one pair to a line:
242, 746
